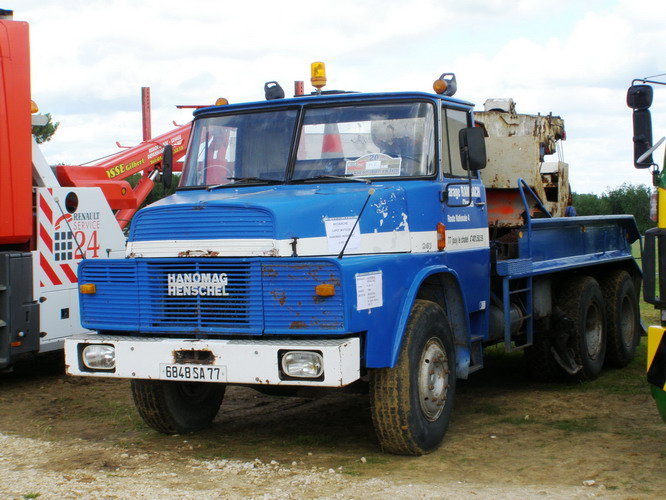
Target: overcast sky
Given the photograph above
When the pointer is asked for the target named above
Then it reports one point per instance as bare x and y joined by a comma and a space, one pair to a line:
572, 58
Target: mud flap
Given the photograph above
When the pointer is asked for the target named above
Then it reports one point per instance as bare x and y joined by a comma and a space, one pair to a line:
560, 349
564, 356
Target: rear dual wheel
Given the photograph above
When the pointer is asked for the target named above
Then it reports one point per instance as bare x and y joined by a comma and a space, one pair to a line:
579, 343
583, 303
623, 316
607, 322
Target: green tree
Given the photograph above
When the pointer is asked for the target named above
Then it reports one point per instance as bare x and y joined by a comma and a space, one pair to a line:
625, 199
631, 199
44, 133
590, 204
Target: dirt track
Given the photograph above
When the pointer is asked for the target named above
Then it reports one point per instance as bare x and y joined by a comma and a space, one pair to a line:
510, 438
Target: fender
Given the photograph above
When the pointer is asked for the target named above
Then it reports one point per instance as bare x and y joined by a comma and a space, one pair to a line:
461, 337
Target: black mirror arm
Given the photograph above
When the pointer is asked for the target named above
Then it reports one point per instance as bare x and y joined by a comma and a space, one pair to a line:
167, 166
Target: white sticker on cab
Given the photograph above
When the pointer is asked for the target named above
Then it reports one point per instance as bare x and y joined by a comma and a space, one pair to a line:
369, 290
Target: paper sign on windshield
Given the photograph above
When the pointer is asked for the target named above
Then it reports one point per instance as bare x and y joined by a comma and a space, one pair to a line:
373, 165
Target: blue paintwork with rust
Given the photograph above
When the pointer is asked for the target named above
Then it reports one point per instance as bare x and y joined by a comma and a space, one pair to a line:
277, 292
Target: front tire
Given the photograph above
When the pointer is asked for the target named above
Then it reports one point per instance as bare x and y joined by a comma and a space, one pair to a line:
177, 407
412, 403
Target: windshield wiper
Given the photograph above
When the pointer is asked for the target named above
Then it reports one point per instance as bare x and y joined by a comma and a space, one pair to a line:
255, 179
343, 177
240, 180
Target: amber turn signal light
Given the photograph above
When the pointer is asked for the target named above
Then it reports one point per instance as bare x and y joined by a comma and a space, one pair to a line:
325, 290
441, 236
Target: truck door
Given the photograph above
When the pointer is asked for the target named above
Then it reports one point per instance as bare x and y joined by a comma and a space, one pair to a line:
465, 217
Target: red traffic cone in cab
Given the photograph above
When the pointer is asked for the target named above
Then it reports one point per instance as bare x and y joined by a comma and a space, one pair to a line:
331, 146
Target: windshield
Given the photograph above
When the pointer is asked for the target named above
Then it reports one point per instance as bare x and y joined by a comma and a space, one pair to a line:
386, 140
234, 148
336, 142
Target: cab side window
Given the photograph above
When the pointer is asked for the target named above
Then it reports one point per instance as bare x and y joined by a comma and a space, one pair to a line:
454, 120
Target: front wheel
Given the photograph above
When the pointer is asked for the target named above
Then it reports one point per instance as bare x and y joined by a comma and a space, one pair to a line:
411, 403
177, 407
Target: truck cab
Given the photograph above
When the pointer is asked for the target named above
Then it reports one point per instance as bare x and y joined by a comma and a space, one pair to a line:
364, 197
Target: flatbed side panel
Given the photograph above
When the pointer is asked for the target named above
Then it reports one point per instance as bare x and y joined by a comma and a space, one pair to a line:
560, 243
568, 263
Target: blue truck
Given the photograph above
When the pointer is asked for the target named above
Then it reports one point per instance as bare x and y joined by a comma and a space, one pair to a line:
343, 239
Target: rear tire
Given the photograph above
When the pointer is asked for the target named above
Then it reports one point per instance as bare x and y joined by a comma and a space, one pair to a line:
583, 303
411, 403
177, 407
623, 318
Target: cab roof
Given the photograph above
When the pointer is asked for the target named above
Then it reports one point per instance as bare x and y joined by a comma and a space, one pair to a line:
332, 98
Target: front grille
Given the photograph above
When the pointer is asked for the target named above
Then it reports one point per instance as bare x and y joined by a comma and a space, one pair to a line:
133, 295
115, 305
222, 298
212, 296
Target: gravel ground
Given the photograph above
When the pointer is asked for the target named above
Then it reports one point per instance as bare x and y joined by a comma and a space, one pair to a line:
75, 437
27, 471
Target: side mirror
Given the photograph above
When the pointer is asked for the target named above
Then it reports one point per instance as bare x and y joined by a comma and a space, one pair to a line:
167, 166
639, 98
472, 148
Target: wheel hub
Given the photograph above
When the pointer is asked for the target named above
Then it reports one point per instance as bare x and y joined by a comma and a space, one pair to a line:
433, 380
594, 331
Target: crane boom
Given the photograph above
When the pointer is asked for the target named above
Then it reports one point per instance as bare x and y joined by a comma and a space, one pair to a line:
111, 173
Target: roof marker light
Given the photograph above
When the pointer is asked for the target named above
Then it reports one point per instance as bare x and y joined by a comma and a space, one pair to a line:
318, 75
445, 86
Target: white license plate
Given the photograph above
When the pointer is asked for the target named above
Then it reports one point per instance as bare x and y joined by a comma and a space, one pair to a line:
194, 373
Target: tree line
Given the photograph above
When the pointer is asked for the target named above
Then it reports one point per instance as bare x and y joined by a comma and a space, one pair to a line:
625, 199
